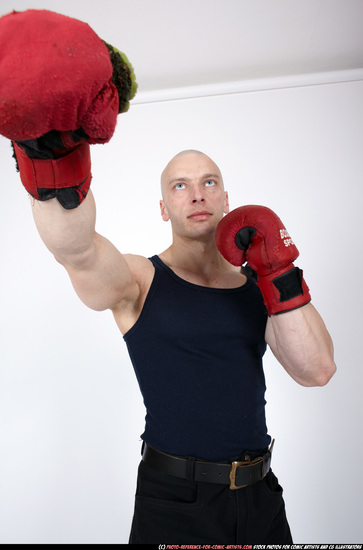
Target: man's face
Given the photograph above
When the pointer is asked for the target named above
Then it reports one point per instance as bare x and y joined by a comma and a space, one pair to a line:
194, 199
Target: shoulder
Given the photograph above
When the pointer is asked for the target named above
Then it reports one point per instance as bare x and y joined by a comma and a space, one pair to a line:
138, 263
142, 271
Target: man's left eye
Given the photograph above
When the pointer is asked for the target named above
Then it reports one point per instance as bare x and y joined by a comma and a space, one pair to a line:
209, 183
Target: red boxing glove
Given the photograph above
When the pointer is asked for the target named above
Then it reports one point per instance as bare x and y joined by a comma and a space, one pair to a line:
256, 234
56, 74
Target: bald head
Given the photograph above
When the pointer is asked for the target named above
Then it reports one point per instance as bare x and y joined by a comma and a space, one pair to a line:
175, 166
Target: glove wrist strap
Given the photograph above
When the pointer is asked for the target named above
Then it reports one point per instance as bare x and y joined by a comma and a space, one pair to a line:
45, 179
285, 290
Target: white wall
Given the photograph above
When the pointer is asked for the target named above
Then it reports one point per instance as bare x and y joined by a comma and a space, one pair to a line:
70, 409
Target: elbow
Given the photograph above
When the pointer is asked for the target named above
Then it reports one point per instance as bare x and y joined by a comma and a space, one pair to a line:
316, 372
323, 372
328, 374
324, 366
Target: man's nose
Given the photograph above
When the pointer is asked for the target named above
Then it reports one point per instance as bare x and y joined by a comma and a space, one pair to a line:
197, 196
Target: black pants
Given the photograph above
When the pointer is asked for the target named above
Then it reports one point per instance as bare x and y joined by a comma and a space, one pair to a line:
169, 510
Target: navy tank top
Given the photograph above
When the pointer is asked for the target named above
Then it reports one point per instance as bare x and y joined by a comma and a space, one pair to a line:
197, 353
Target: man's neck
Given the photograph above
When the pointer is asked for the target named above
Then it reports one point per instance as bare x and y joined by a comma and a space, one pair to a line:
197, 260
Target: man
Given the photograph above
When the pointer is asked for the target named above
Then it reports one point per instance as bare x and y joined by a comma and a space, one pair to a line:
195, 325
185, 416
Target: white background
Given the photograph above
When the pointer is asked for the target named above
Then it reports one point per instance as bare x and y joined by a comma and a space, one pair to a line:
70, 409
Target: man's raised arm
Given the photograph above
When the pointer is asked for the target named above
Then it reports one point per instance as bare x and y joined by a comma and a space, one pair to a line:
57, 98
99, 273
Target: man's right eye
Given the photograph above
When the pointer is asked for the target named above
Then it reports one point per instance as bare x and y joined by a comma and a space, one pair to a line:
180, 186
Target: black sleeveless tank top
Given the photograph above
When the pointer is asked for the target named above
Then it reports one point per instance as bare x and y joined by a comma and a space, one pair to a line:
197, 354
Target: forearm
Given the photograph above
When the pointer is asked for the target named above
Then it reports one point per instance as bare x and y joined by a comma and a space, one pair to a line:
295, 331
302, 344
68, 234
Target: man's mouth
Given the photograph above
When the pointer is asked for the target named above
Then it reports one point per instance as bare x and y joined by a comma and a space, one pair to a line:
200, 215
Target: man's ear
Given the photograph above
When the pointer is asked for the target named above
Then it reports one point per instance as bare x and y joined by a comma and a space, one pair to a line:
164, 212
226, 203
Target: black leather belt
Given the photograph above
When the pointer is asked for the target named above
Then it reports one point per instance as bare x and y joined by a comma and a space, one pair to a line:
237, 474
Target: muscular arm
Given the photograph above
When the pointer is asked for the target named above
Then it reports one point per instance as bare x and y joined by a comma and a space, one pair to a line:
99, 273
301, 343
295, 331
